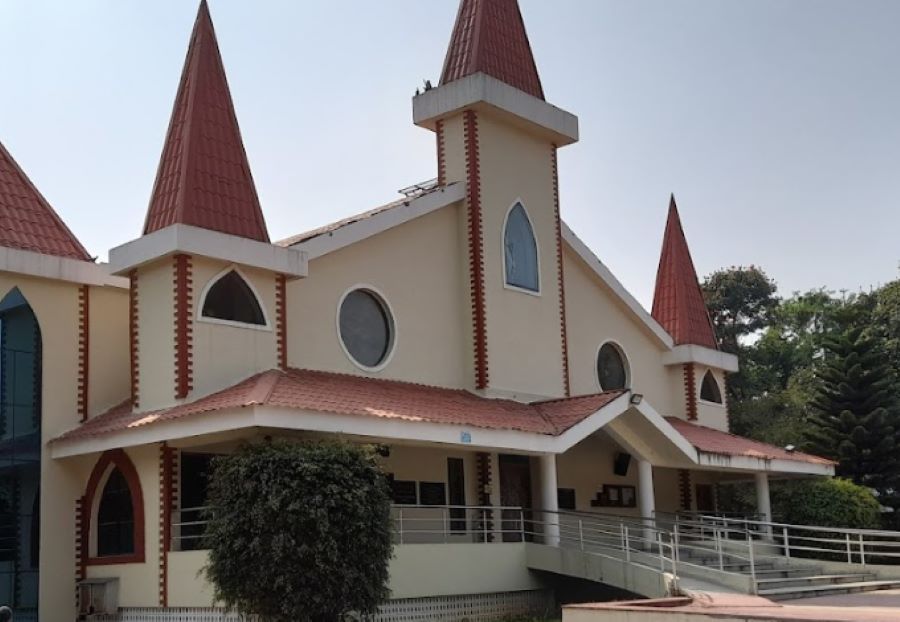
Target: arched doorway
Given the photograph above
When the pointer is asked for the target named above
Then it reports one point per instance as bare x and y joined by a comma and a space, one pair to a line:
20, 453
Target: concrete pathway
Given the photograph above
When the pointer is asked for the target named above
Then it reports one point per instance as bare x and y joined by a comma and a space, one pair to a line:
881, 598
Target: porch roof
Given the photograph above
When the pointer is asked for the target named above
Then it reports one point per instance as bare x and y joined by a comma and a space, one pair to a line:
343, 394
711, 441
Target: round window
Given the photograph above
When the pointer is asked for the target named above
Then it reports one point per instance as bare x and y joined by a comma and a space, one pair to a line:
366, 327
611, 369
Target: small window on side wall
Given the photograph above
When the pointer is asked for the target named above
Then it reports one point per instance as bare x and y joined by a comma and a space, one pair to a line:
230, 298
520, 251
115, 518
709, 389
612, 368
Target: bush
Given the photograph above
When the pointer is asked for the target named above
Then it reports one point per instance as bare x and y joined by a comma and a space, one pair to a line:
827, 502
299, 531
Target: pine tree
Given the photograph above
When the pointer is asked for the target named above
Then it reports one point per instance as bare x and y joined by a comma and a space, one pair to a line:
855, 420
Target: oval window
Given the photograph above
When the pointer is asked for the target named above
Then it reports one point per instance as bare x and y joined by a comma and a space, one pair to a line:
366, 327
612, 371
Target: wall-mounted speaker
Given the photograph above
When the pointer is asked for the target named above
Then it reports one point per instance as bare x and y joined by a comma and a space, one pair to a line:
621, 463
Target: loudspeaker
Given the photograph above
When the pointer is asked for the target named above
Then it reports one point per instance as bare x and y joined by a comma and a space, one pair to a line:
621, 463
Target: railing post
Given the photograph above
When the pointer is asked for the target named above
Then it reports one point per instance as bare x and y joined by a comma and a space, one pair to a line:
862, 550
718, 536
754, 586
787, 542
627, 545
522, 523
662, 558
484, 524
444, 513
849, 553
400, 523
676, 553
581, 533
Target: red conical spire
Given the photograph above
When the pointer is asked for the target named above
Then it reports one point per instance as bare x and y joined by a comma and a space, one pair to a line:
204, 178
27, 221
678, 302
489, 37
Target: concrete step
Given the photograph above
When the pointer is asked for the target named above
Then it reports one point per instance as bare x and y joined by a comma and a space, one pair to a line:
770, 573
790, 593
809, 581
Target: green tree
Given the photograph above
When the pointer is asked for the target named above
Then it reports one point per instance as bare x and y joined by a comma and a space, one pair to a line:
883, 306
855, 417
826, 502
299, 531
740, 301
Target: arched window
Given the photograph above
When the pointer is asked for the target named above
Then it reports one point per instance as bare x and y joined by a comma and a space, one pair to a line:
366, 328
520, 251
114, 505
231, 298
709, 389
115, 518
612, 367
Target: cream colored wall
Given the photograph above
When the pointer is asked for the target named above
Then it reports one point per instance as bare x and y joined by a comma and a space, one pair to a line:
156, 335
55, 305
594, 315
110, 360
523, 329
587, 466
224, 354
139, 583
711, 414
429, 464
414, 266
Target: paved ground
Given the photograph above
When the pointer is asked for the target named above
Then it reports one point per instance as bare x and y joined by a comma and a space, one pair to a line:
881, 598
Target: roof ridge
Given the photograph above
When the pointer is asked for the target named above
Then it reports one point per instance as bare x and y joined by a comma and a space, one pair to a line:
76, 250
576, 397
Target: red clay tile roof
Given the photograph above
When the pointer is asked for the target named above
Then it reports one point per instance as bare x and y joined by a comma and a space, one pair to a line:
489, 37
678, 302
713, 441
369, 397
204, 177
27, 221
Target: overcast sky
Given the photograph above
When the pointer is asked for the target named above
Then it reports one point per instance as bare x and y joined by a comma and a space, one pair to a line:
776, 124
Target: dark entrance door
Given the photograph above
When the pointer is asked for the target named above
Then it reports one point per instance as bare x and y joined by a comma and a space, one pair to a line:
515, 491
706, 502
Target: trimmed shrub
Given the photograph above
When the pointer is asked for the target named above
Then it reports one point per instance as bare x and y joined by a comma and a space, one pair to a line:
827, 502
299, 531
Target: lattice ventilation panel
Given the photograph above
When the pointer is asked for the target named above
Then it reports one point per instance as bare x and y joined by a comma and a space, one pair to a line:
469, 608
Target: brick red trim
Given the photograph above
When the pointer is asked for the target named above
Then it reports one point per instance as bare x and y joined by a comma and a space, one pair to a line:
690, 391
281, 320
182, 280
684, 489
80, 548
167, 490
484, 481
84, 320
441, 162
725, 400
562, 283
119, 459
476, 250
133, 335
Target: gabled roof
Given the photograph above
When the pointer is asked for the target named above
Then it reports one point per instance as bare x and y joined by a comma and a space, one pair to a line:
27, 222
204, 177
489, 37
342, 394
678, 302
711, 441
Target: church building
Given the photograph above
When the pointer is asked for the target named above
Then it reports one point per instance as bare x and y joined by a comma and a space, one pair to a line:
464, 327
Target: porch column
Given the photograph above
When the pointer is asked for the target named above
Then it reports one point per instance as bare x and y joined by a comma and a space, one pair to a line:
549, 500
646, 499
763, 503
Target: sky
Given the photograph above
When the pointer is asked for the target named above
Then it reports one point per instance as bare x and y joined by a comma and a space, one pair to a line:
776, 124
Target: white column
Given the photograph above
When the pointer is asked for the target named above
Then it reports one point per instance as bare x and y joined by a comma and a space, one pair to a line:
549, 499
646, 499
763, 504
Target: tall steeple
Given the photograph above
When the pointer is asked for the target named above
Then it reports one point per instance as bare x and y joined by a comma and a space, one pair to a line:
678, 302
489, 37
27, 221
204, 177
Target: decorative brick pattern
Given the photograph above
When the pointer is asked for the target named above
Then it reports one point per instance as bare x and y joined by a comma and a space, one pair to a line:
562, 283
118, 459
690, 391
133, 344
84, 319
476, 250
167, 495
281, 320
182, 281
81, 543
484, 480
441, 162
685, 490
